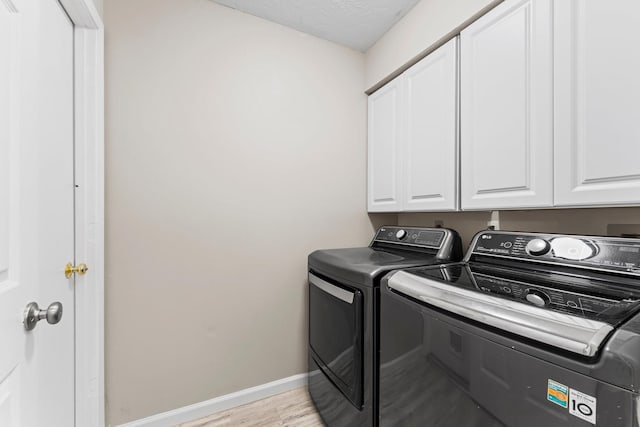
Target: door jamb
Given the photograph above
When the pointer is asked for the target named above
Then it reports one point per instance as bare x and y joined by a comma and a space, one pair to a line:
89, 210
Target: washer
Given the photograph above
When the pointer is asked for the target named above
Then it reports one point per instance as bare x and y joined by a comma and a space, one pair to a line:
343, 316
529, 330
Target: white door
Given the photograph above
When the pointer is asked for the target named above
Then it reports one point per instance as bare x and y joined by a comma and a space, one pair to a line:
430, 149
36, 212
384, 134
506, 73
597, 93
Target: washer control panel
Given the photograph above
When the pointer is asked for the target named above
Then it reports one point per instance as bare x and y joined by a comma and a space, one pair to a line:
412, 236
545, 296
620, 254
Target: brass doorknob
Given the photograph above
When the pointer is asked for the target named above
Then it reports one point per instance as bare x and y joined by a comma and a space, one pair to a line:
70, 269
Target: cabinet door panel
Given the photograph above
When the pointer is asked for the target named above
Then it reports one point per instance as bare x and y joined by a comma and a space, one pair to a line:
430, 167
384, 172
597, 118
506, 107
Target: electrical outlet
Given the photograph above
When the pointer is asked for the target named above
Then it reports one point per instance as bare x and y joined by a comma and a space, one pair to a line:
494, 222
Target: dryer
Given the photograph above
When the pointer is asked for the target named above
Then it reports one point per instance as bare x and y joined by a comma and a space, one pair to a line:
344, 321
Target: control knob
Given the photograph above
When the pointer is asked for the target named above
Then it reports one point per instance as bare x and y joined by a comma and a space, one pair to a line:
538, 247
537, 297
401, 234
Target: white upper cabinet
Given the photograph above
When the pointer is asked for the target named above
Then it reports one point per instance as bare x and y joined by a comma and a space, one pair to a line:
384, 134
413, 137
507, 107
597, 102
430, 143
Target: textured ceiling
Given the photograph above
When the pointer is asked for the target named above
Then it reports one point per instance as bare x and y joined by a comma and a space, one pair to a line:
354, 23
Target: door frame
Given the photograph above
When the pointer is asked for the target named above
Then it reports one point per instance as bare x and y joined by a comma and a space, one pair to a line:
88, 52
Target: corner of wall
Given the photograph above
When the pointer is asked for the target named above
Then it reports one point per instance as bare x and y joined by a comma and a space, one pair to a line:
428, 21
99, 7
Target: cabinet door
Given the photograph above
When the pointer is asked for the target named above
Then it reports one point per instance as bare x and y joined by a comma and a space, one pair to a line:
597, 102
430, 145
384, 134
507, 107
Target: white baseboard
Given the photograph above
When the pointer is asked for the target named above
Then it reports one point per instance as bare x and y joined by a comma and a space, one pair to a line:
202, 409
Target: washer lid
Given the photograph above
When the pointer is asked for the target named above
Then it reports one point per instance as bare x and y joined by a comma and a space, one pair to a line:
605, 298
568, 311
575, 334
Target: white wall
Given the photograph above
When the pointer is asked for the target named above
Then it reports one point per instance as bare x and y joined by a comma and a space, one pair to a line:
420, 28
235, 147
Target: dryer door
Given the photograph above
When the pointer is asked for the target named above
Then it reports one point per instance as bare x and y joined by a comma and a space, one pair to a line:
336, 334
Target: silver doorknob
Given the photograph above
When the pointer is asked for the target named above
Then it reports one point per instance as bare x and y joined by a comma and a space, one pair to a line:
33, 314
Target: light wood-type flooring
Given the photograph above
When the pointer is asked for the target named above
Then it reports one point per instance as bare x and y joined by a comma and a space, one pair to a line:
290, 409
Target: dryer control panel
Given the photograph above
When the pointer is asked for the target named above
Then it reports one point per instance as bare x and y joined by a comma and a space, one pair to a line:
412, 236
610, 253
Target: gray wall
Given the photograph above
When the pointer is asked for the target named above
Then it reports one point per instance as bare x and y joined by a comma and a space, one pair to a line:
235, 147
599, 221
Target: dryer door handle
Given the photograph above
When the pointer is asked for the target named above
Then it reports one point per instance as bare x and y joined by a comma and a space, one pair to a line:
331, 289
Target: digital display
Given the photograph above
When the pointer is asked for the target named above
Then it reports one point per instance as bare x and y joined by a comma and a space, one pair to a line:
430, 238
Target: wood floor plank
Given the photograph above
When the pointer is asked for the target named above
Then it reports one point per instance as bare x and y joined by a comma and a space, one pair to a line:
290, 409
